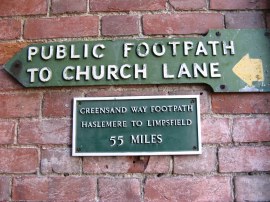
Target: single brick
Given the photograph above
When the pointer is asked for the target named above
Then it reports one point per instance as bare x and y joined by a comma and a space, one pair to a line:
68, 6
18, 160
244, 159
190, 164
23, 7
158, 164
245, 103
104, 93
200, 88
10, 29
114, 165
238, 5
113, 25
188, 5
244, 20
268, 20
127, 5
4, 188
187, 23
73, 188
59, 104
153, 164
44, 132
204, 98
82, 26
54, 188
119, 190
7, 132
30, 188
19, 105
8, 50
110, 93
7, 82
188, 189
251, 129
252, 188
59, 160
215, 130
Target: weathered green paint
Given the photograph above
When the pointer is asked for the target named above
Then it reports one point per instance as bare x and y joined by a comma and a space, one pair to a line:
90, 138
252, 43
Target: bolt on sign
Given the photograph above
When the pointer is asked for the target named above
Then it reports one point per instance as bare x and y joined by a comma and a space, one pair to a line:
142, 125
226, 60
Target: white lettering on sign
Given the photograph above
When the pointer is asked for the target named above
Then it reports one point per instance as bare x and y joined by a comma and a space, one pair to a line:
60, 52
112, 71
31, 52
136, 139
103, 124
189, 47
136, 109
140, 109
213, 46
127, 48
171, 108
49, 53
155, 49
174, 47
228, 47
201, 49
142, 50
146, 139
117, 140
103, 110
170, 122
95, 48
44, 74
211, 71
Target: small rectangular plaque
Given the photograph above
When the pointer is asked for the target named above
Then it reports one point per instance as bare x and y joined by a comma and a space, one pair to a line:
136, 126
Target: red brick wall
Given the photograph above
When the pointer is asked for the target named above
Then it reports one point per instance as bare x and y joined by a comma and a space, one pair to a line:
35, 124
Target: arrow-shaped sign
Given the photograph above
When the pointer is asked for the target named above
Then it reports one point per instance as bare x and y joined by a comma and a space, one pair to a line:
226, 60
249, 70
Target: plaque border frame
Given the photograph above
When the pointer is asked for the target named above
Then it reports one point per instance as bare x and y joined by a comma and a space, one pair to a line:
137, 153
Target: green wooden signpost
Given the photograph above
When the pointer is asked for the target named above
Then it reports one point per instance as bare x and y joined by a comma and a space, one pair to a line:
124, 126
226, 60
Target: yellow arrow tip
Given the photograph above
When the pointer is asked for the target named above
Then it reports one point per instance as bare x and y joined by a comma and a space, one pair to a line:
249, 70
